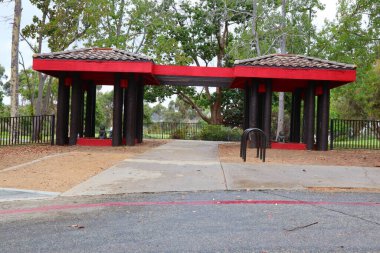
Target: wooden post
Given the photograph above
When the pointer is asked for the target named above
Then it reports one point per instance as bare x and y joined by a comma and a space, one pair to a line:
90, 110
140, 110
253, 104
76, 90
63, 102
81, 121
310, 116
267, 119
253, 108
247, 97
325, 115
125, 113
295, 121
117, 112
131, 110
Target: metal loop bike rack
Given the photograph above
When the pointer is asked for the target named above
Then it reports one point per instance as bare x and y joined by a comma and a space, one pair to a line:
259, 139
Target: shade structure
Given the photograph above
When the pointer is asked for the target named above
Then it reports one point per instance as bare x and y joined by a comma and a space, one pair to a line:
301, 75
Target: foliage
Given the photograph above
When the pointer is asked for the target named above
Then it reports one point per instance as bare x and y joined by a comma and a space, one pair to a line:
220, 133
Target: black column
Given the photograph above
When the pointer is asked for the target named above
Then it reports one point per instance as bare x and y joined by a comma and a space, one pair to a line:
247, 97
295, 120
90, 110
125, 113
318, 123
253, 104
267, 117
325, 115
63, 102
253, 108
310, 115
81, 124
76, 92
131, 110
140, 111
117, 112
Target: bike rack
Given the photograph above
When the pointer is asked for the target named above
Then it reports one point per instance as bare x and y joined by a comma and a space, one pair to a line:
259, 139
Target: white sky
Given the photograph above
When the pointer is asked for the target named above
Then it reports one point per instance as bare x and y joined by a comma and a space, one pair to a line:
6, 19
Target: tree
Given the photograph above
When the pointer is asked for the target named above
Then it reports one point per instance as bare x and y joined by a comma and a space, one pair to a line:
2, 77
62, 23
14, 61
354, 38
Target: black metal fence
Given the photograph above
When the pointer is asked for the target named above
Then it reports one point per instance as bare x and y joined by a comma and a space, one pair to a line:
172, 130
354, 134
27, 130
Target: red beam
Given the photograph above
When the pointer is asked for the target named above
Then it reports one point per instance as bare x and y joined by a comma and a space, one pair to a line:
303, 74
92, 66
169, 70
288, 146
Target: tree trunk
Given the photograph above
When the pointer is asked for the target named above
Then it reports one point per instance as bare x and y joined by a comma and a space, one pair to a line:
281, 95
254, 28
14, 62
41, 77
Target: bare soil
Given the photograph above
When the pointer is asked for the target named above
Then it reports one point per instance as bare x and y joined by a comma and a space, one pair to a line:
367, 158
57, 168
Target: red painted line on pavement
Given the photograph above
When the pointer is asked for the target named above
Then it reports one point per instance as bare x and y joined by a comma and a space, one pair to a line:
184, 203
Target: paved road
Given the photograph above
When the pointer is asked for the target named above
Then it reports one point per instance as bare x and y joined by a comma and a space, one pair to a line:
223, 221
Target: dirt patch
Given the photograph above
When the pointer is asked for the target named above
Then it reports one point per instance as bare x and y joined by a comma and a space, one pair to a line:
342, 189
229, 153
66, 167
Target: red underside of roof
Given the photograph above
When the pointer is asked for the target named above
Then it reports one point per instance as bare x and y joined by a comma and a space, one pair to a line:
102, 73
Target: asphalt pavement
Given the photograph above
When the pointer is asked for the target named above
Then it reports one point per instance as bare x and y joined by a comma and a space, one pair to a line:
218, 221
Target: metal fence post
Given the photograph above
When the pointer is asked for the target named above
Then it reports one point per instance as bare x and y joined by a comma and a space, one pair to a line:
52, 129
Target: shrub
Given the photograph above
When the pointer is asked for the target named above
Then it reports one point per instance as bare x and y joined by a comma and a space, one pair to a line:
179, 134
220, 133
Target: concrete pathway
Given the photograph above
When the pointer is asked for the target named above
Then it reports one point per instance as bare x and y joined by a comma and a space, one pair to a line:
10, 194
195, 166
176, 166
277, 176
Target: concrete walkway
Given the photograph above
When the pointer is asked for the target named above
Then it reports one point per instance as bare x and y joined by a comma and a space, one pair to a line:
195, 166
10, 194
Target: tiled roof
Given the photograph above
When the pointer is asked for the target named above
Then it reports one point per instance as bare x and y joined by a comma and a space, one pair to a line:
292, 61
95, 54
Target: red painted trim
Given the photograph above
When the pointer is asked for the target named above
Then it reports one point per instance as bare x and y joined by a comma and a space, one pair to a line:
96, 142
303, 74
169, 70
92, 66
186, 203
288, 146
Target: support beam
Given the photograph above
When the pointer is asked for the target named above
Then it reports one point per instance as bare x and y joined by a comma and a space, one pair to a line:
131, 110
295, 120
63, 102
90, 110
253, 108
267, 117
140, 110
125, 112
325, 115
76, 90
81, 121
117, 112
310, 116
247, 97
253, 104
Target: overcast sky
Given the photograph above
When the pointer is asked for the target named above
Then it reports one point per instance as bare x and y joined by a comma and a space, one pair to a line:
6, 12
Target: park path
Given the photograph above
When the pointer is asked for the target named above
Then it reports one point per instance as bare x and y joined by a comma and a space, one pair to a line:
195, 166
176, 166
